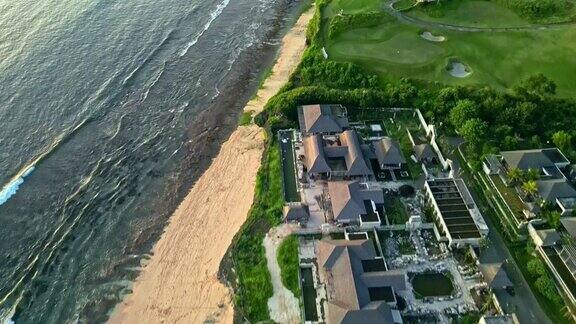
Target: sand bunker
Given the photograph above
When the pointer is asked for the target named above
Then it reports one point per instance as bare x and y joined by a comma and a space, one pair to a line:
458, 69
429, 36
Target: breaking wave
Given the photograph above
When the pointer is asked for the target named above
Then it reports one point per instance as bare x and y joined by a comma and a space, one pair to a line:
10, 188
213, 16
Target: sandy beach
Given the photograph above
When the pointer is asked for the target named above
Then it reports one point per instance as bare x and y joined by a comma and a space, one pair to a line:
180, 283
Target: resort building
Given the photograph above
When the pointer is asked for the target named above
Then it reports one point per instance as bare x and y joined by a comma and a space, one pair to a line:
322, 119
295, 212
561, 257
355, 203
552, 170
424, 153
388, 153
456, 214
499, 319
359, 286
340, 155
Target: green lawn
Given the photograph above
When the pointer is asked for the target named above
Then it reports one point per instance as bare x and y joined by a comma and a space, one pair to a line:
510, 196
469, 13
499, 59
404, 4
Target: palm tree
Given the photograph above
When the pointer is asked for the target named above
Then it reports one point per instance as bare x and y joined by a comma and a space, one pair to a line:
532, 174
514, 176
530, 187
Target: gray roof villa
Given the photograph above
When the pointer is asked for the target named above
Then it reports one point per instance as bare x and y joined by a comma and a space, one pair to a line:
558, 249
425, 153
295, 211
339, 154
534, 159
326, 119
388, 153
359, 287
355, 202
553, 183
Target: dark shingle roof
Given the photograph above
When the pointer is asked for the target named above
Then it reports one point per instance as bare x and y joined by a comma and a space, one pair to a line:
347, 199
569, 224
549, 190
494, 275
527, 159
388, 151
424, 151
295, 212
321, 119
348, 285
314, 154
355, 162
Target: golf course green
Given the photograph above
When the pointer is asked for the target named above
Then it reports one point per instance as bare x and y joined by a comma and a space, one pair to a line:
497, 57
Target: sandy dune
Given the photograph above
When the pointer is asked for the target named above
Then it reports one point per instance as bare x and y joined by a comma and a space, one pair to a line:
180, 284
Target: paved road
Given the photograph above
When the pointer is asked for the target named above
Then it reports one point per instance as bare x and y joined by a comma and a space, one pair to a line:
436, 25
523, 303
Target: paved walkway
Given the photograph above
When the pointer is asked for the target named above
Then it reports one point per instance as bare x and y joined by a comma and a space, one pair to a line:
436, 25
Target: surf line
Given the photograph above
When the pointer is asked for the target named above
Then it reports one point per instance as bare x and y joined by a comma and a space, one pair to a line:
11, 187
213, 17
14, 184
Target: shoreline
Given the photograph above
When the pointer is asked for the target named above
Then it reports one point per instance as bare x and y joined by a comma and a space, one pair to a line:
180, 282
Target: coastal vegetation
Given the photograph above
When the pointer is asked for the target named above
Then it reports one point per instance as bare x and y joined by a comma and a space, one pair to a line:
254, 287
289, 264
245, 118
375, 61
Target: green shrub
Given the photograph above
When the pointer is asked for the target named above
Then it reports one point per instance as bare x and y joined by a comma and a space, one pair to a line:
289, 264
313, 28
342, 23
254, 286
546, 286
536, 267
314, 69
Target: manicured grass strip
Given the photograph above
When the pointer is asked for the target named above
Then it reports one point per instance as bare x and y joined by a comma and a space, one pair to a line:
289, 264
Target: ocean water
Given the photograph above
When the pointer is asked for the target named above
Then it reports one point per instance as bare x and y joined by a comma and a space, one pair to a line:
108, 112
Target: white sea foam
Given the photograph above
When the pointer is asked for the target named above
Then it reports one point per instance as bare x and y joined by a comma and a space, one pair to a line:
213, 16
10, 188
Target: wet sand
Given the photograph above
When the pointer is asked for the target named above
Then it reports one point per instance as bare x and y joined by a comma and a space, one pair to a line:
180, 283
